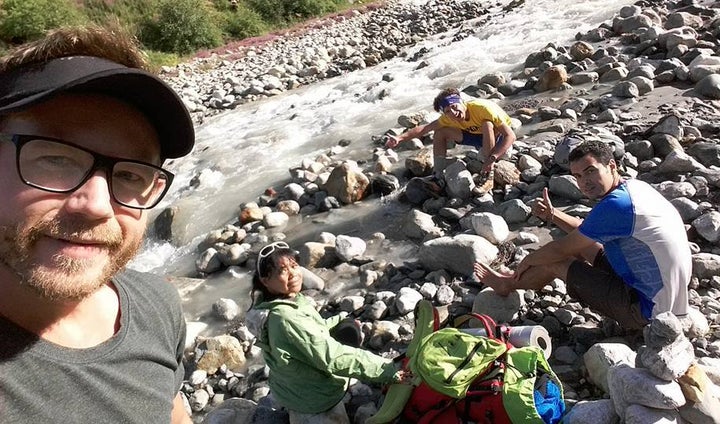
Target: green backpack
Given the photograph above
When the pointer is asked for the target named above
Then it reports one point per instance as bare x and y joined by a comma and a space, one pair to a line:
460, 377
449, 360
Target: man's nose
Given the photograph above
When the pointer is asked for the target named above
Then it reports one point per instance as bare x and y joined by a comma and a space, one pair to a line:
93, 198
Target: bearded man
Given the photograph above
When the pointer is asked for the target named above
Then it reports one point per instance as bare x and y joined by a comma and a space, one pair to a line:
84, 131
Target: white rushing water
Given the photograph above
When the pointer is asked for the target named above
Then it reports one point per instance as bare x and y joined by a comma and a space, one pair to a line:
240, 153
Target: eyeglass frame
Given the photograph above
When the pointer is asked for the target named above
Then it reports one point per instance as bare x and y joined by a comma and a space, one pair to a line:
100, 162
277, 245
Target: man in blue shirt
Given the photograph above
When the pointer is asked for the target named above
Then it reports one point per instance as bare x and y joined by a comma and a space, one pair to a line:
629, 259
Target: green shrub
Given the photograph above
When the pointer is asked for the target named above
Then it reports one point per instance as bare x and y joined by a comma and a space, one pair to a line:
242, 23
182, 27
289, 11
23, 20
129, 13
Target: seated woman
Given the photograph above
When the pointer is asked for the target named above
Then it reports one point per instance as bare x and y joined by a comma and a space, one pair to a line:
309, 369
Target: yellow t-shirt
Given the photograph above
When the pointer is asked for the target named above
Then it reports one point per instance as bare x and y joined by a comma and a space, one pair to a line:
478, 111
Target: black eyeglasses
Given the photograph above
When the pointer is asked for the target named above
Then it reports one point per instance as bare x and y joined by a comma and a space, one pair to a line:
57, 166
267, 251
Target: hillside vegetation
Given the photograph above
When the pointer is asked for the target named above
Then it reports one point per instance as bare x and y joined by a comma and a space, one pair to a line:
168, 29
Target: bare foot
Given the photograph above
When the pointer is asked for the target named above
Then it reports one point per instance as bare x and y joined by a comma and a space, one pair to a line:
500, 282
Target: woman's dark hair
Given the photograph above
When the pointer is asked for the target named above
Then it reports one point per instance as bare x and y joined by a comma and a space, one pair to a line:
602, 152
440, 97
265, 267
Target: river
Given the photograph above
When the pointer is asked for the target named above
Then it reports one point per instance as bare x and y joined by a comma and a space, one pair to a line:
241, 152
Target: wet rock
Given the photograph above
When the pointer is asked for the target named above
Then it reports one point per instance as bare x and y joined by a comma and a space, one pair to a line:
419, 225
347, 247
226, 309
347, 183
209, 261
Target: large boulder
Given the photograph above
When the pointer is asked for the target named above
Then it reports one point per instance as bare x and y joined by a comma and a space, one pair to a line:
347, 183
601, 357
457, 254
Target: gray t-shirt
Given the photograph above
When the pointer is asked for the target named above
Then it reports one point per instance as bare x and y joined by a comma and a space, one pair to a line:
131, 378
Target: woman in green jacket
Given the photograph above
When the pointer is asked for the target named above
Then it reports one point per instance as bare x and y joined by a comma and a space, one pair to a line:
309, 369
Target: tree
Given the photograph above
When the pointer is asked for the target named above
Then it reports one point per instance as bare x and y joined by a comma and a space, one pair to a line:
24, 20
182, 27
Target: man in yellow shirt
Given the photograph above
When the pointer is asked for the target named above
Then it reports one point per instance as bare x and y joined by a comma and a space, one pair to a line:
480, 123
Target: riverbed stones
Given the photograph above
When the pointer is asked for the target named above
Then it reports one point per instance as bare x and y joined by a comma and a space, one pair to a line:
676, 152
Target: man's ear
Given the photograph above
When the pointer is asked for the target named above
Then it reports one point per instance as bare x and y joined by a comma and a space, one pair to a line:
613, 166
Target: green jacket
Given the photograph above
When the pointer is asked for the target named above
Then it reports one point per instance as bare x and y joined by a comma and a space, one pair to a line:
309, 369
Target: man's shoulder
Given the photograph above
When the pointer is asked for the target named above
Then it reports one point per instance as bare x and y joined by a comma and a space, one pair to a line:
484, 104
489, 107
129, 276
633, 191
147, 285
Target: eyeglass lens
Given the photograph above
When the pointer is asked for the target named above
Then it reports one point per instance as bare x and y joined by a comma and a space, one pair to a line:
56, 166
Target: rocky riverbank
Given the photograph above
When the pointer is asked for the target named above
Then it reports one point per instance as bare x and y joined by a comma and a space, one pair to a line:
647, 83
331, 47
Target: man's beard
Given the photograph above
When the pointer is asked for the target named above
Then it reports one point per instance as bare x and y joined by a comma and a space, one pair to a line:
66, 279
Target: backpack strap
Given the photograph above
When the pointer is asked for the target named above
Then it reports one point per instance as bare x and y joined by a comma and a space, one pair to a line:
427, 321
494, 331
487, 322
